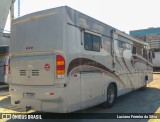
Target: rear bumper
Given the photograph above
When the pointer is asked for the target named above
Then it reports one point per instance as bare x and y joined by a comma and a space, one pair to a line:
42, 99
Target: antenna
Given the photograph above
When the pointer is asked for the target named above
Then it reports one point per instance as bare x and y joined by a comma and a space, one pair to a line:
19, 7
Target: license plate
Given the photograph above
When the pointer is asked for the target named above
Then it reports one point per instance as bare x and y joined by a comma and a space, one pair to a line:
29, 95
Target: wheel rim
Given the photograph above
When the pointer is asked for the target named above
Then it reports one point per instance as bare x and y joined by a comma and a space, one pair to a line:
111, 95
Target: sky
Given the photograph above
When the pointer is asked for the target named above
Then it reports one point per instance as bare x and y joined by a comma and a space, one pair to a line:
124, 15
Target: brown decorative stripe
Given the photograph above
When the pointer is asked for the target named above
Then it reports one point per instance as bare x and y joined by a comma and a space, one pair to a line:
118, 61
84, 61
131, 81
126, 65
129, 72
127, 69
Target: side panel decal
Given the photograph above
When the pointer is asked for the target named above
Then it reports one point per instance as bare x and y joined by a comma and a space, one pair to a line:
84, 61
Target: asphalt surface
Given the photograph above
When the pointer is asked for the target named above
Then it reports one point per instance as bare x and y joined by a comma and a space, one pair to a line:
139, 101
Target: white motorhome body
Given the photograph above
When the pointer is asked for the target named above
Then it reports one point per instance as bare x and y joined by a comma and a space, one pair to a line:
63, 61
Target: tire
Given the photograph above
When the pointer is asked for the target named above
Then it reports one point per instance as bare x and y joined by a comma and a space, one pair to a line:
111, 96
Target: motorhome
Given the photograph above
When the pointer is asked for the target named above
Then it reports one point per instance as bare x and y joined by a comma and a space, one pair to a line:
63, 61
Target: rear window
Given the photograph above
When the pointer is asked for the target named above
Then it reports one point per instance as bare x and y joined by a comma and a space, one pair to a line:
4, 50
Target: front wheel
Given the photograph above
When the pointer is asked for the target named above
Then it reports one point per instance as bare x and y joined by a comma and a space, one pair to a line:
111, 96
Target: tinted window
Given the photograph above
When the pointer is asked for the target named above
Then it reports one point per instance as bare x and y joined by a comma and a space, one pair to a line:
92, 42
150, 56
87, 41
96, 43
156, 50
121, 44
145, 53
153, 54
134, 50
4, 50
124, 45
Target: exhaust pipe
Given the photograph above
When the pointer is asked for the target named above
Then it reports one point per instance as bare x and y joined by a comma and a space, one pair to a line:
28, 108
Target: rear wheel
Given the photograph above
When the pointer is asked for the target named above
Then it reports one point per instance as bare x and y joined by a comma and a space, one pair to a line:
111, 96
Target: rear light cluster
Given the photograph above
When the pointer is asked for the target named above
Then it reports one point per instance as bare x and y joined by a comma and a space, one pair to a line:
60, 65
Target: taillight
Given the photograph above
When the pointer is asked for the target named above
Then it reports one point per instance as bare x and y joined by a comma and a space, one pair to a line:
60, 66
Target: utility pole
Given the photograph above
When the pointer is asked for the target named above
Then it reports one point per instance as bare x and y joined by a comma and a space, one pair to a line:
12, 11
19, 7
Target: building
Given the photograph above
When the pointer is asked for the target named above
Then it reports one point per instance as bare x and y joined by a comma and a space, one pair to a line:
152, 36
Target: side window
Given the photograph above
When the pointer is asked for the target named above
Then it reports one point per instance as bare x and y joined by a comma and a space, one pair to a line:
121, 44
92, 42
145, 53
124, 45
4, 50
153, 54
96, 43
124, 50
156, 50
134, 51
87, 41
150, 56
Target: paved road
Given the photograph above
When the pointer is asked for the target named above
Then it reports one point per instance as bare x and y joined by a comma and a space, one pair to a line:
147, 101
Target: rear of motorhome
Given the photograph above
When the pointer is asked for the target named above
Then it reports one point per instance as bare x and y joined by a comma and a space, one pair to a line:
63, 61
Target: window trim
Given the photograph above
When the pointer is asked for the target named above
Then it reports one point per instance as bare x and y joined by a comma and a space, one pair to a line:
93, 33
